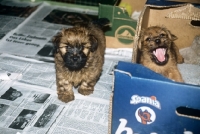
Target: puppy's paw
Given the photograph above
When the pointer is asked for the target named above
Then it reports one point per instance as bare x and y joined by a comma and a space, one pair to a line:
85, 90
178, 79
65, 93
180, 59
176, 76
66, 97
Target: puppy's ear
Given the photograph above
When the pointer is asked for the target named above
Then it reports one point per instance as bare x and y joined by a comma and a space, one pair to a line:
140, 43
94, 43
171, 36
141, 38
56, 41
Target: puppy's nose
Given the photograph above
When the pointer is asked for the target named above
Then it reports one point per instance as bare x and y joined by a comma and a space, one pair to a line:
75, 58
157, 41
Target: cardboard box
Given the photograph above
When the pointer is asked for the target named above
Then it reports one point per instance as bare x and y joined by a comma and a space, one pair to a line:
122, 31
145, 102
182, 19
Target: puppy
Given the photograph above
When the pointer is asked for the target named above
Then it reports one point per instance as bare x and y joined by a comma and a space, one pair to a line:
159, 53
79, 58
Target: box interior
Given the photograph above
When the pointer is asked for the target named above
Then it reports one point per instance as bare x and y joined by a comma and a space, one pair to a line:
181, 24
182, 28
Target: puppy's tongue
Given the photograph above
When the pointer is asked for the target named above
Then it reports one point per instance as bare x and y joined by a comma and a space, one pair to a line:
160, 54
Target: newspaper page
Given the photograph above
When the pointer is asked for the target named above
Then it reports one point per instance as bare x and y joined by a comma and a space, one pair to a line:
41, 73
33, 36
13, 13
30, 105
33, 71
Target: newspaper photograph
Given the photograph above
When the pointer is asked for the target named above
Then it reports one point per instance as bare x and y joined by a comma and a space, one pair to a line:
24, 107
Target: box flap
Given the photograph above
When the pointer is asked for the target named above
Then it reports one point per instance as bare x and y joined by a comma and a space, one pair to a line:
185, 12
139, 71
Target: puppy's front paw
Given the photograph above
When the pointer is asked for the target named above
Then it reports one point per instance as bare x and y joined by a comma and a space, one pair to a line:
65, 96
176, 76
65, 93
180, 59
84, 89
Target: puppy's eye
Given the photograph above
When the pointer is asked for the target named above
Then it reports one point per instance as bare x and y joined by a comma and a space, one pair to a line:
162, 35
68, 47
148, 39
83, 44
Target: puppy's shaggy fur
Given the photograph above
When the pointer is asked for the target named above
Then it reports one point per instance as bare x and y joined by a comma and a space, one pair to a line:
159, 53
79, 59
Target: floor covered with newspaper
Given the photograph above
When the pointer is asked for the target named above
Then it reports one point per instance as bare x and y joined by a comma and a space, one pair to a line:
28, 99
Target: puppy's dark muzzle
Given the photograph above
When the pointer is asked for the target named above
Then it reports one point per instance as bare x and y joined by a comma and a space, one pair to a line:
75, 61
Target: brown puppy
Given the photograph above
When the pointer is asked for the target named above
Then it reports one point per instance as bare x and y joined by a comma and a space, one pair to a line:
78, 59
159, 53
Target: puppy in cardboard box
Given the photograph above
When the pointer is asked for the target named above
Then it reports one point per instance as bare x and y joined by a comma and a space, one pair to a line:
79, 58
158, 52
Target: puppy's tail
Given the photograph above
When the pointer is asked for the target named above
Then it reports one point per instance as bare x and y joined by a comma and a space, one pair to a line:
102, 23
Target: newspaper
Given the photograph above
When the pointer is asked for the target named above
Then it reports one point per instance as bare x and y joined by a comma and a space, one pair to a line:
13, 13
29, 102
33, 36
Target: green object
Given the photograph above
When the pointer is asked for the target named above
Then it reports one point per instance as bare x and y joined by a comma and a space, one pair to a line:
122, 26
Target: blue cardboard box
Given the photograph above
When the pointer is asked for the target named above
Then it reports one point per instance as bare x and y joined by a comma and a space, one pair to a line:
145, 102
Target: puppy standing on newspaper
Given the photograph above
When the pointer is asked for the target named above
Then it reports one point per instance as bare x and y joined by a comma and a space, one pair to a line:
159, 53
79, 58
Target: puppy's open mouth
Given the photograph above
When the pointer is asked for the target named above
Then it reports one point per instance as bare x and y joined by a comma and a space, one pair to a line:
160, 56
